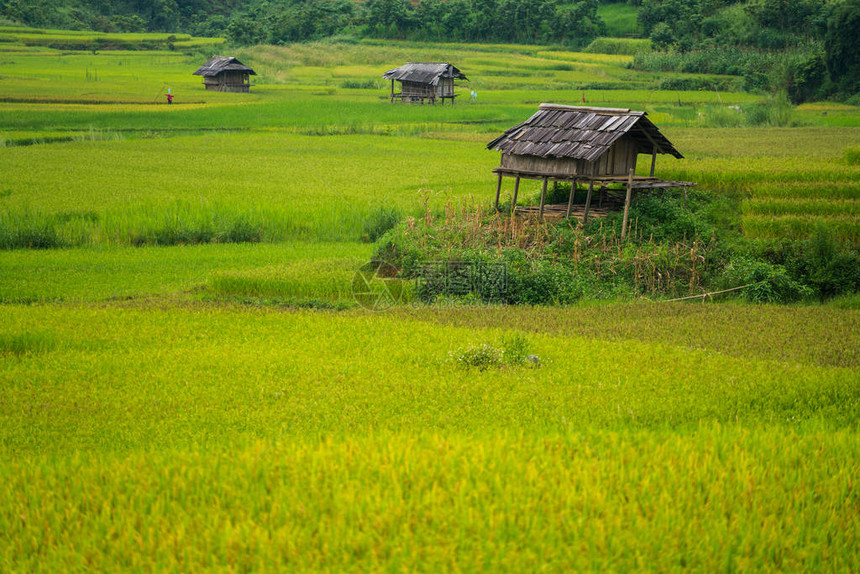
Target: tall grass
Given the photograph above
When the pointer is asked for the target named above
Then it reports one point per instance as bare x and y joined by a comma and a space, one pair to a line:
625, 46
319, 279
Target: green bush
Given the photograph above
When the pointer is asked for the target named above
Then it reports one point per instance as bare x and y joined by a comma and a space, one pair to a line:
829, 267
766, 283
833, 269
512, 351
481, 357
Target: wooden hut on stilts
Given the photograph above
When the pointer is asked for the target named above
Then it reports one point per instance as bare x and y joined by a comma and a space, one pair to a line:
225, 74
424, 81
597, 147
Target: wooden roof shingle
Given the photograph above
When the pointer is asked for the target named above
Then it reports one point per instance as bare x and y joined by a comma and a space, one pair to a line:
580, 132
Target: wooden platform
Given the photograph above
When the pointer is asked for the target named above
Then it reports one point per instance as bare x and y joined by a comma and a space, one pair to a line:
416, 98
639, 181
559, 211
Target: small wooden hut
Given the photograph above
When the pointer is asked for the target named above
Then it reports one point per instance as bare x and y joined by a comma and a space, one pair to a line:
597, 147
225, 74
423, 81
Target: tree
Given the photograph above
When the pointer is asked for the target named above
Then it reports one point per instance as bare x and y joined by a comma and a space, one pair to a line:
841, 48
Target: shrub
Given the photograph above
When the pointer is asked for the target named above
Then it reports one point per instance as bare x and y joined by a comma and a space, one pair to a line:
662, 36
766, 283
511, 351
663, 217
832, 269
481, 357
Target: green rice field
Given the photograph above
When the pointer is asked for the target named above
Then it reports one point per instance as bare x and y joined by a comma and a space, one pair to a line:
188, 383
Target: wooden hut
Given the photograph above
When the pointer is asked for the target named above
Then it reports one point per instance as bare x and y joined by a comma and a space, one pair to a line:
422, 81
597, 147
225, 74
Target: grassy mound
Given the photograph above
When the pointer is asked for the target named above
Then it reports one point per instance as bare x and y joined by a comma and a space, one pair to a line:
675, 248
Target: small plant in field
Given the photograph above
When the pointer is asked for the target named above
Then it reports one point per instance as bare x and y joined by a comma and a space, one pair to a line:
511, 351
515, 349
852, 155
482, 356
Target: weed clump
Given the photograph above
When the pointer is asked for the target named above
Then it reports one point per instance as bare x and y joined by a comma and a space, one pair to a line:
511, 351
25, 343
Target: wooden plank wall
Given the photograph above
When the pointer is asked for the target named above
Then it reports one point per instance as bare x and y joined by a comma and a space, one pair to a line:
416, 89
445, 87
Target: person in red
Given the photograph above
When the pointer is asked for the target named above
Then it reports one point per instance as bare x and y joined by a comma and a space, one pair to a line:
169, 98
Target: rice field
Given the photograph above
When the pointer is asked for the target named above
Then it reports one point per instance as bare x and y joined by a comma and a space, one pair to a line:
317, 441
187, 381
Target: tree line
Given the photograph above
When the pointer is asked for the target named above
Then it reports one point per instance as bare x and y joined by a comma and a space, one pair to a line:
573, 23
806, 48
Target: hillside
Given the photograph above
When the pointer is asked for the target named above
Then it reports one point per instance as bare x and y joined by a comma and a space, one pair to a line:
806, 49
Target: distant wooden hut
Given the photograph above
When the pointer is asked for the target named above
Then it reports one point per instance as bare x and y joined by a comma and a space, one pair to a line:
578, 144
424, 81
225, 74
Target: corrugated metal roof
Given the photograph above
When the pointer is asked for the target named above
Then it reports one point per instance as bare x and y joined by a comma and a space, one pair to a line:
217, 64
424, 73
584, 132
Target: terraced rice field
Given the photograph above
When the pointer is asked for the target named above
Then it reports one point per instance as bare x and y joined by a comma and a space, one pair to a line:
187, 383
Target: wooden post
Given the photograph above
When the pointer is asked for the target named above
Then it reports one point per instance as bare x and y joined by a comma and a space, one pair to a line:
685, 197
627, 205
570, 201
516, 191
498, 191
653, 162
392, 92
543, 196
588, 201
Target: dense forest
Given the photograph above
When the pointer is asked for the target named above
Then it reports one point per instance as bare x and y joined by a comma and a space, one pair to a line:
805, 48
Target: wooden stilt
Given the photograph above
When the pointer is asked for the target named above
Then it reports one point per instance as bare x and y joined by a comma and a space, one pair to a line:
627, 205
588, 201
516, 191
685, 197
392, 91
498, 191
543, 196
570, 200
653, 162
